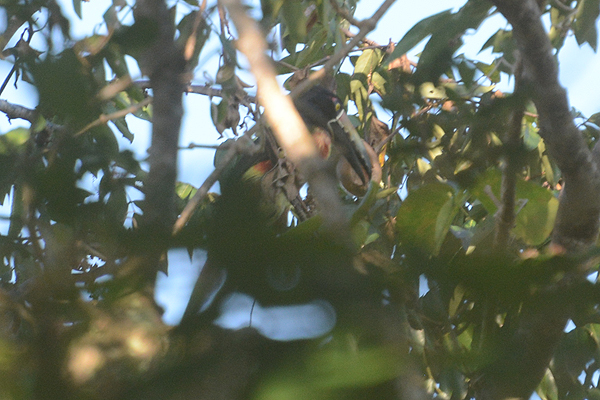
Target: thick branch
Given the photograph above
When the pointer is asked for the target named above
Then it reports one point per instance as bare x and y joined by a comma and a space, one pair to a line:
525, 356
577, 220
163, 62
15, 111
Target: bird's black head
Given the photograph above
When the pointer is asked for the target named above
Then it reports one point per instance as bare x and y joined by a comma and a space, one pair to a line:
320, 108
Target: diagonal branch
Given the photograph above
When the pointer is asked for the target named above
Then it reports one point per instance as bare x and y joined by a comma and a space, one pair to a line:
243, 144
104, 118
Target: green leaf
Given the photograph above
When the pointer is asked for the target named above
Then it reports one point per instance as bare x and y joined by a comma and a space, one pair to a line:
535, 220
77, 7
188, 26
121, 125
425, 216
365, 367
117, 205
429, 91
313, 50
547, 389
367, 62
456, 300
585, 22
436, 58
379, 83
295, 20
595, 119
184, 190
16, 137
417, 33
531, 139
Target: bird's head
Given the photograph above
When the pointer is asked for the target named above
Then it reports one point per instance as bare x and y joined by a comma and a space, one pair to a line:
322, 110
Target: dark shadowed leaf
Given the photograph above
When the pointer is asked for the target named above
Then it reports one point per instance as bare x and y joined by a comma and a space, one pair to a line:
585, 22
419, 32
536, 206
425, 217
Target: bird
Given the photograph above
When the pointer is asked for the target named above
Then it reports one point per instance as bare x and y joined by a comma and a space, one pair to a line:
256, 191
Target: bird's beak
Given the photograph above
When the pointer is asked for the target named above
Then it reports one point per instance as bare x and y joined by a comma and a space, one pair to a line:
351, 145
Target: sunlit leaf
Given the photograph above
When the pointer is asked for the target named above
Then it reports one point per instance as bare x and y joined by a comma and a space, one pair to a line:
547, 389
367, 61
429, 91
184, 190
350, 369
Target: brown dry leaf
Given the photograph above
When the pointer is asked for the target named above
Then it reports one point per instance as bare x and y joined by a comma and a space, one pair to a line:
378, 132
402, 63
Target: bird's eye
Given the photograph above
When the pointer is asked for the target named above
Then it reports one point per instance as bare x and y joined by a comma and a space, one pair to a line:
338, 106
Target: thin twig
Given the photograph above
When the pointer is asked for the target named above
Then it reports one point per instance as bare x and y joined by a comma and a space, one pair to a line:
241, 145
104, 118
286, 65
10, 74
365, 40
192, 146
345, 14
366, 26
200, 89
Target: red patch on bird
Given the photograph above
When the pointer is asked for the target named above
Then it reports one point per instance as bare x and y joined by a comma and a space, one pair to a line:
323, 141
263, 167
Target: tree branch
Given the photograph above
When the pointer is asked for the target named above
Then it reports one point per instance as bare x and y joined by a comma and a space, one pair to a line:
15, 111
200, 89
525, 355
163, 62
243, 144
505, 217
577, 221
104, 118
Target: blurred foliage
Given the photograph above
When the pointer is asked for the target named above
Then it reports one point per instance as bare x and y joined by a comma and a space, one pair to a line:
421, 298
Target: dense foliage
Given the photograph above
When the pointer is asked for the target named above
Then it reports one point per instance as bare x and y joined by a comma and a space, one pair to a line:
455, 270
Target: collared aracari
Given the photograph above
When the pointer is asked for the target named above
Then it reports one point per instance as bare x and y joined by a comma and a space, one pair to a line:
244, 222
